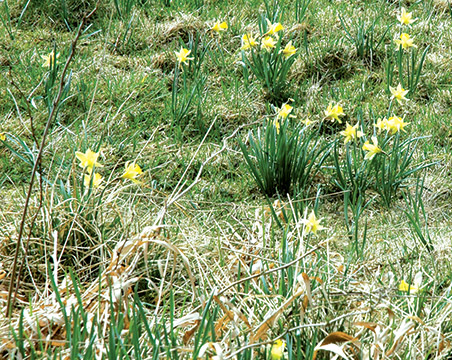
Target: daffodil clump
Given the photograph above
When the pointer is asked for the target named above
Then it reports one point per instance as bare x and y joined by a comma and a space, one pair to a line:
405, 41
285, 153
379, 158
89, 163
269, 57
189, 80
407, 60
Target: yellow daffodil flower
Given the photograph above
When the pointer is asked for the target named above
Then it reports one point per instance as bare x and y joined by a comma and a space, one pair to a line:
372, 149
182, 56
277, 350
312, 224
307, 122
131, 172
412, 289
49, 59
398, 93
395, 124
333, 112
285, 111
382, 124
88, 159
405, 18
2, 137
351, 133
248, 42
273, 28
289, 50
405, 40
392, 125
268, 43
97, 180
217, 27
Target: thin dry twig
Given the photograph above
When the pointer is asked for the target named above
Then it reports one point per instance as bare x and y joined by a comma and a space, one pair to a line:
11, 296
289, 264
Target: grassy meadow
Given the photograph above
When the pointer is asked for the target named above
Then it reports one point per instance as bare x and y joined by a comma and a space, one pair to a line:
204, 179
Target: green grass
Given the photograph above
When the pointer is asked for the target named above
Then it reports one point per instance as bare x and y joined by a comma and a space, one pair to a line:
198, 259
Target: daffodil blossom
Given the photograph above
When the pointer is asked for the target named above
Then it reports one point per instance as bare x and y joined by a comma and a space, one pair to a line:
409, 288
307, 122
88, 159
412, 289
273, 28
395, 124
372, 149
268, 43
2, 137
351, 133
49, 59
277, 350
333, 112
382, 124
97, 180
182, 56
248, 42
312, 224
405, 18
131, 172
405, 41
289, 50
285, 111
219, 27
398, 93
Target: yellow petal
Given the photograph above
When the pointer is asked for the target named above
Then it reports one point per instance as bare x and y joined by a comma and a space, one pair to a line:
97, 180
88, 159
132, 170
277, 350
412, 289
